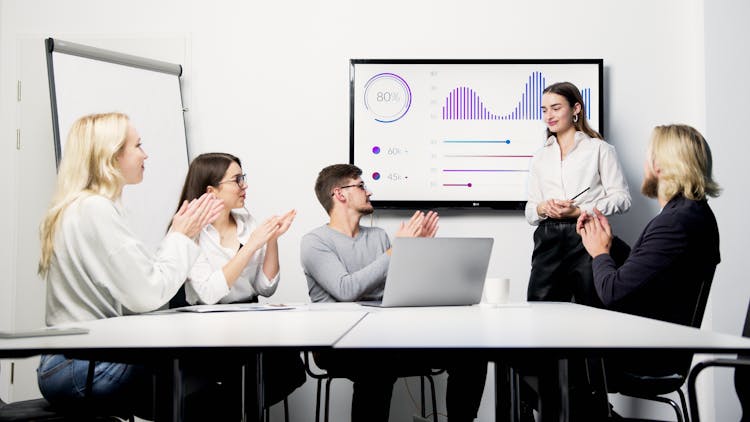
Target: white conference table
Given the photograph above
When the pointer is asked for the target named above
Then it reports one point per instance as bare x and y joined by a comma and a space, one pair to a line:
307, 325
164, 339
541, 330
535, 326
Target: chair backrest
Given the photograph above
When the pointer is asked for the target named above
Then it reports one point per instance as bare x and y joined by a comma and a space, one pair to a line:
680, 363
702, 299
746, 329
179, 300
746, 333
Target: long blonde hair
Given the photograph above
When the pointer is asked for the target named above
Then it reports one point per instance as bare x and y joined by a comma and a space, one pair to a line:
88, 167
685, 162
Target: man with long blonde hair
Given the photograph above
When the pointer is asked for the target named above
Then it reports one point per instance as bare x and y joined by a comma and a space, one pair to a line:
675, 256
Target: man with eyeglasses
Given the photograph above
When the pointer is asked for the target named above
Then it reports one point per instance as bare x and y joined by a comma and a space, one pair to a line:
346, 262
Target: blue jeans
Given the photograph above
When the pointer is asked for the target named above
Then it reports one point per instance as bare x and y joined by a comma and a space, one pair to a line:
118, 387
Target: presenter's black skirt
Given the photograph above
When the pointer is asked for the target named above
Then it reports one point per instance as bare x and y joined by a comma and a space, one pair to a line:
560, 266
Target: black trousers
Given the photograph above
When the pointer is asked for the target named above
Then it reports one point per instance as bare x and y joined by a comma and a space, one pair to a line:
375, 372
561, 272
560, 266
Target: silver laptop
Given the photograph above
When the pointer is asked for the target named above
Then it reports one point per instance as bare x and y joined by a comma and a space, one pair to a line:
436, 272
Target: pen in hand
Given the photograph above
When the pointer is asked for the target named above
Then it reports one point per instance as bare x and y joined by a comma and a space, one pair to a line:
580, 193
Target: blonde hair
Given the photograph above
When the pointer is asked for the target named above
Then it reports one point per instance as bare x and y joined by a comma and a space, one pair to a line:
685, 163
88, 167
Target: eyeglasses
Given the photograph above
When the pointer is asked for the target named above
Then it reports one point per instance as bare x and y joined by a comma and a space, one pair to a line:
358, 185
240, 179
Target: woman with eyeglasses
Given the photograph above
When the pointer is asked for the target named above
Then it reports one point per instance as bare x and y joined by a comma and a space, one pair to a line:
240, 258
96, 268
239, 261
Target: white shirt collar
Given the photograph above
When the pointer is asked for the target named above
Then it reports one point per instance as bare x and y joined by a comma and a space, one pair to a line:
241, 215
579, 136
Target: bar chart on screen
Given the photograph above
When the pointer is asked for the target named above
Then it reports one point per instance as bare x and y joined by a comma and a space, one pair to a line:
463, 103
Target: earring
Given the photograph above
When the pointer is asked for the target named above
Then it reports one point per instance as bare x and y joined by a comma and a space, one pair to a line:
575, 118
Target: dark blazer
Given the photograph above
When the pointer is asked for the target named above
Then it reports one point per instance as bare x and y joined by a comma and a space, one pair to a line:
661, 277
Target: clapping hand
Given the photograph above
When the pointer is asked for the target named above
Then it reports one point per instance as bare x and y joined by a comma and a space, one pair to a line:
264, 232
284, 222
419, 225
429, 225
193, 216
596, 233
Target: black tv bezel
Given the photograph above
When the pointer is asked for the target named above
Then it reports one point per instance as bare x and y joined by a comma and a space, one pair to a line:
434, 204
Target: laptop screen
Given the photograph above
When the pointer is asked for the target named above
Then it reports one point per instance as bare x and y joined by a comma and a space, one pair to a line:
437, 271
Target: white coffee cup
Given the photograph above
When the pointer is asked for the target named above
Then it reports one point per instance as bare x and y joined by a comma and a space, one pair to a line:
496, 290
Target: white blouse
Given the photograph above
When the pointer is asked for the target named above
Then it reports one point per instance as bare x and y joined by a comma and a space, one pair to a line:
100, 269
590, 163
206, 283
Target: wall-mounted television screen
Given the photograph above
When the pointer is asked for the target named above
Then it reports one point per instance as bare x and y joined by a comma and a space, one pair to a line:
456, 133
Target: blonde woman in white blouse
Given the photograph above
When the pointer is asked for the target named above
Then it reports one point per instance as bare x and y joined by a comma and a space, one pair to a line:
239, 261
96, 268
574, 171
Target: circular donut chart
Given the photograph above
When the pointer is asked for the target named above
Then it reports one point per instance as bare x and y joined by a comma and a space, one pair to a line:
387, 97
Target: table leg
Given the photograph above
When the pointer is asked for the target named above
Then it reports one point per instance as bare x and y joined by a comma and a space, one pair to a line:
253, 395
260, 383
507, 398
554, 404
597, 379
564, 388
515, 399
168, 400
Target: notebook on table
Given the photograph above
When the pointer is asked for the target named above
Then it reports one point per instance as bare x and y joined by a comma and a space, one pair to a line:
440, 271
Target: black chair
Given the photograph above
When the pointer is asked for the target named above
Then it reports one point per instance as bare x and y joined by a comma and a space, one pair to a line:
741, 367
29, 410
321, 375
654, 387
179, 299
40, 410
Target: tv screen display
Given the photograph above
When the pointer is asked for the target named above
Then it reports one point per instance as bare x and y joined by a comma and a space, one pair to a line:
456, 133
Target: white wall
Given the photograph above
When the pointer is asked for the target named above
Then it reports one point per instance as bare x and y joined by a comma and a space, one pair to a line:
726, 102
5, 228
268, 81
7, 146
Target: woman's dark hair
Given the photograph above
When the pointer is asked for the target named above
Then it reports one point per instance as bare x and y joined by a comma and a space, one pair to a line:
205, 170
573, 95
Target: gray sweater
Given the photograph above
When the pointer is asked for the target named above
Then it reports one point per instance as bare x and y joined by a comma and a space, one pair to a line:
340, 268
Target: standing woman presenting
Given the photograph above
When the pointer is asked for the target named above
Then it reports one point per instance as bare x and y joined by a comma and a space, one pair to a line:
574, 171
96, 268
